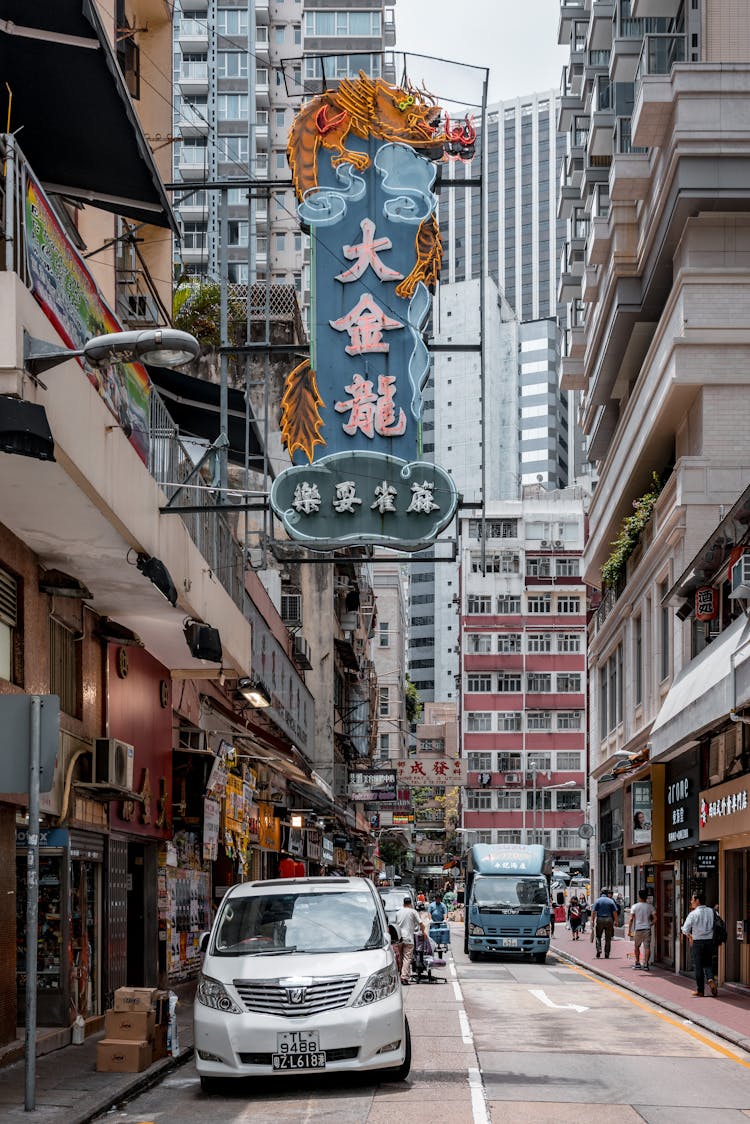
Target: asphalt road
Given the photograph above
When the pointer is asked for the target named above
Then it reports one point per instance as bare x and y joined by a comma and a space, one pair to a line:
501, 1041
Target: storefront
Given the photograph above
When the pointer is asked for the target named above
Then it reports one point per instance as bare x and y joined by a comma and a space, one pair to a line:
724, 819
611, 842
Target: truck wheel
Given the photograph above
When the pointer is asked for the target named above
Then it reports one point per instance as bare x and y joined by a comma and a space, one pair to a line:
540, 957
474, 956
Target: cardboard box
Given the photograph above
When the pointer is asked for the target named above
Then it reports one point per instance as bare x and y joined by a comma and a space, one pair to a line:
114, 1056
160, 1042
129, 1026
135, 998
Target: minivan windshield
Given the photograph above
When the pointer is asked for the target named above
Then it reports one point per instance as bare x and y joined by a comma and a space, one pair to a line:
299, 921
503, 890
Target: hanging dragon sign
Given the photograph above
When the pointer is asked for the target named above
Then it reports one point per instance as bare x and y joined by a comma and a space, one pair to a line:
363, 162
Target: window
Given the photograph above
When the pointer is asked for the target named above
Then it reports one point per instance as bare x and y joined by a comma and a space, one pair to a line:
385, 742
603, 716
479, 642
539, 567
479, 721
508, 836
231, 64
568, 762
231, 107
509, 682
508, 606
539, 682
539, 642
509, 762
280, 242
479, 682
509, 722
539, 604
569, 719
233, 150
384, 639
384, 700
568, 840
484, 837
509, 799
341, 66
567, 567
478, 606
280, 160
543, 799
569, 605
638, 658
568, 801
280, 118
567, 682
542, 762
479, 762
278, 33
9, 601
494, 529
64, 667
479, 800
569, 641
193, 236
509, 642
237, 232
538, 720
343, 24
231, 21
664, 631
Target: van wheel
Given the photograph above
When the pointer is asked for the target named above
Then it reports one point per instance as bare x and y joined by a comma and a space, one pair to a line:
401, 1072
212, 1086
540, 957
474, 956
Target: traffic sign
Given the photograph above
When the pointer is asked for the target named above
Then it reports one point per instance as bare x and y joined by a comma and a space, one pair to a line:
368, 867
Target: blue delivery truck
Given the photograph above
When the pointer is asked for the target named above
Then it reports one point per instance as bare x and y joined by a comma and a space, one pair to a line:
507, 905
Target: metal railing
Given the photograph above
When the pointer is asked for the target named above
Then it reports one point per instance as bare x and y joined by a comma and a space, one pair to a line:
658, 55
623, 138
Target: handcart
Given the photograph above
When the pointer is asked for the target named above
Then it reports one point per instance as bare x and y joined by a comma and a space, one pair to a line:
426, 961
440, 935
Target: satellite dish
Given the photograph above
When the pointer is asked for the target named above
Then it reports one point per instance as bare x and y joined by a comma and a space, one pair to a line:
585, 831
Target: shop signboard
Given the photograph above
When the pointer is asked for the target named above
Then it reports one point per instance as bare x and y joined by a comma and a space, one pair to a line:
295, 842
681, 797
374, 785
211, 820
707, 859
641, 794
706, 603
327, 850
362, 159
314, 850
725, 809
269, 828
426, 769
217, 779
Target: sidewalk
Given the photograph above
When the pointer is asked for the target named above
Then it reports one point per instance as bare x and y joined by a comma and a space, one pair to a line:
727, 1016
68, 1088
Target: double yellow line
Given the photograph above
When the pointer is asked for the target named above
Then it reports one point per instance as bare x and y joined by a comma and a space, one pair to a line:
624, 994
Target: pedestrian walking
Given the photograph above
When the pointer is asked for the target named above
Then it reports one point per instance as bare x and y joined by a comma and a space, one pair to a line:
408, 923
603, 920
642, 917
699, 929
575, 916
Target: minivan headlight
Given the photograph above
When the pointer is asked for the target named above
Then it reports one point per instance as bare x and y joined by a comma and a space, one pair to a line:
379, 986
211, 993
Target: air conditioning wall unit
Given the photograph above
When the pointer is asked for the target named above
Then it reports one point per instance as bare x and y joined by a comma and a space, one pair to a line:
513, 778
302, 652
544, 544
741, 577
113, 763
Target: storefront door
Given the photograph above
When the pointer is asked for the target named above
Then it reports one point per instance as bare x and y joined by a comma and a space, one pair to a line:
737, 964
666, 918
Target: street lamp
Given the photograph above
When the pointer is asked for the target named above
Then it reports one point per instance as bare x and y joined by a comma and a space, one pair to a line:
546, 787
161, 347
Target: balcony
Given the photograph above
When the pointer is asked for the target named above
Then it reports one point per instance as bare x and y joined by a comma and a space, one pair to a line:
570, 103
261, 11
193, 35
262, 50
630, 178
648, 9
193, 120
600, 27
602, 118
193, 163
595, 171
653, 89
193, 77
570, 10
571, 270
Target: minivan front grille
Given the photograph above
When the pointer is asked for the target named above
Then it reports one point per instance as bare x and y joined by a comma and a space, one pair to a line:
269, 997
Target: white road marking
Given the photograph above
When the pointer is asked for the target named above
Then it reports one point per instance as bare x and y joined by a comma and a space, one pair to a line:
452, 969
544, 998
466, 1034
478, 1102
457, 991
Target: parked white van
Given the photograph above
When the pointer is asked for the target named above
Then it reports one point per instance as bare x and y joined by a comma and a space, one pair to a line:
299, 974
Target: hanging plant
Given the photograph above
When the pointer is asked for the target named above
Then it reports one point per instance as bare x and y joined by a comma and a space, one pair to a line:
630, 534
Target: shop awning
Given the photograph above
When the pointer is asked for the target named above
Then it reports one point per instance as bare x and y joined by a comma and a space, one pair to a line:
705, 690
78, 128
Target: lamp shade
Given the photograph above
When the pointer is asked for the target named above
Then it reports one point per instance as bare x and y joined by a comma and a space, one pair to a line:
203, 641
254, 692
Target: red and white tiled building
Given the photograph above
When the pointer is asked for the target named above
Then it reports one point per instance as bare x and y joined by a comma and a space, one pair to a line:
523, 672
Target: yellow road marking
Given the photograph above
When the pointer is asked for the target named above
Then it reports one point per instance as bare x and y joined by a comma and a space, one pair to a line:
624, 994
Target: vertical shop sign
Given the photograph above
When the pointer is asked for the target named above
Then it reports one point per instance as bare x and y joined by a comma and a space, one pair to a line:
641, 812
211, 819
362, 159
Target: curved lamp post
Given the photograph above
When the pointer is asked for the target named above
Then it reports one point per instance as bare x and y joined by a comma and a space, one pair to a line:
161, 347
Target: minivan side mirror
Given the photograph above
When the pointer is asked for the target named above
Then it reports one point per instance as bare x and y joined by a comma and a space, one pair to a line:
203, 942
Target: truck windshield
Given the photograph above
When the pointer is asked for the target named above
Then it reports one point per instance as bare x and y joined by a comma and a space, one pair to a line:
510, 890
298, 922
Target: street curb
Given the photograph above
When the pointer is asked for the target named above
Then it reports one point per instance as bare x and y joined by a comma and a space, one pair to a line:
143, 1082
708, 1024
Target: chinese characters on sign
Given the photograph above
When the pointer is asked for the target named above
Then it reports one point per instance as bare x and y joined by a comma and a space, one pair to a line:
706, 603
374, 785
362, 163
424, 770
725, 809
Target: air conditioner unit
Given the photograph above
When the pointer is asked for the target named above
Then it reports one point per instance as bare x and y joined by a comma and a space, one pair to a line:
113, 763
544, 544
513, 778
740, 577
558, 543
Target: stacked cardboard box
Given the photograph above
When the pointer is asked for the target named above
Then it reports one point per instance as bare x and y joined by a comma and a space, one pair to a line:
135, 1031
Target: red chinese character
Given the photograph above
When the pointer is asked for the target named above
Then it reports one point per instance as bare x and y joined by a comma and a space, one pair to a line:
371, 413
365, 253
440, 768
365, 324
417, 770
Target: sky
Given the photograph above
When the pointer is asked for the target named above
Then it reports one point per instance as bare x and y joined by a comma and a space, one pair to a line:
516, 39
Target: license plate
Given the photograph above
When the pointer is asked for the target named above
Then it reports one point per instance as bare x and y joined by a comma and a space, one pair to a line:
298, 1042
299, 1061
510, 942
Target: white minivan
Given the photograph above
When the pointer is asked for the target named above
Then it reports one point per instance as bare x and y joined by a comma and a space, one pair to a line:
299, 974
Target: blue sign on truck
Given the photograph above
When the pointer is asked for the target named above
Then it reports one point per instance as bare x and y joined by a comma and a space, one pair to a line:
507, 906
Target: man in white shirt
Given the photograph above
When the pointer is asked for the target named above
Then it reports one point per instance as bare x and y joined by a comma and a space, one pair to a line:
699, 929
642, 917
408, 923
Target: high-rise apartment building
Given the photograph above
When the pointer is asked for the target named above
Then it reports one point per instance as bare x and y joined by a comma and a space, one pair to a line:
523, 672
241, 70
657, 103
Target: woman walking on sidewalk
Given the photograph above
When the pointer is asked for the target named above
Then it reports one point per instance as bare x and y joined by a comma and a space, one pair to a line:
575, 916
